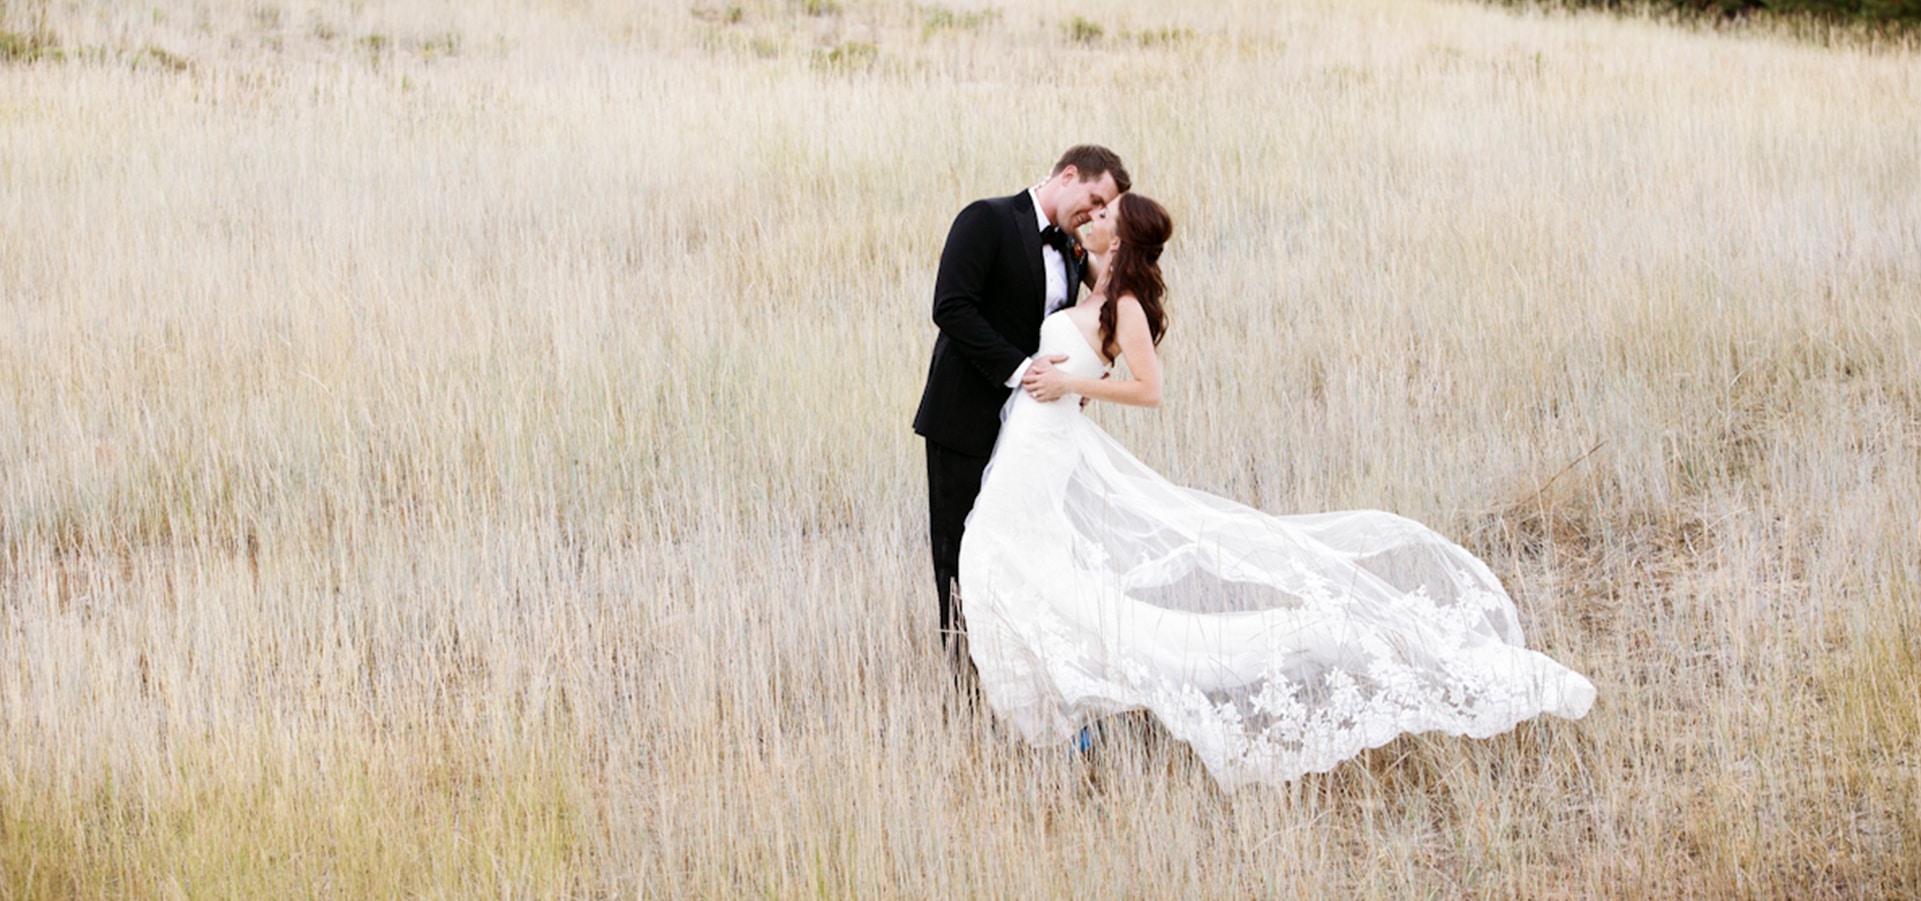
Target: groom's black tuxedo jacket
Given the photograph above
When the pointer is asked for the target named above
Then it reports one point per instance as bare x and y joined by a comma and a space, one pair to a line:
988, 304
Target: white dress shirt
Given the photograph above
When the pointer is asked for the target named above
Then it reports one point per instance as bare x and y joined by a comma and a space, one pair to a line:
1056, 269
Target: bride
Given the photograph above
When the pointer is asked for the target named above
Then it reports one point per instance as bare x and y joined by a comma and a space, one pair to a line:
1272, 645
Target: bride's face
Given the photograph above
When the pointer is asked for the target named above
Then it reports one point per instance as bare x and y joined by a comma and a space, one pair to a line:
1099, 237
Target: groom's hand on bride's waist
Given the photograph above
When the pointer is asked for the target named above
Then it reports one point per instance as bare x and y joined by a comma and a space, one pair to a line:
1044, 380
1039, 367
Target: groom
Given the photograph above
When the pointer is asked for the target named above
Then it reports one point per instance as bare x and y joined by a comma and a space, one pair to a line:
1009, 261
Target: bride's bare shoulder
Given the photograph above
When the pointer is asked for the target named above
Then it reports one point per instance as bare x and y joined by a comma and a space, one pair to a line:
1127, 308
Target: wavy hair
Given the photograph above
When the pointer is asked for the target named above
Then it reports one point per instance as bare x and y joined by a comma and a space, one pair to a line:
1143, 230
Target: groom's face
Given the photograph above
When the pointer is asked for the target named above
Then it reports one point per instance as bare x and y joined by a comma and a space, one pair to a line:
1076, 200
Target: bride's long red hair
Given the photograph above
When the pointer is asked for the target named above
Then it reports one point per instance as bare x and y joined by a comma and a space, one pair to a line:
1143, 230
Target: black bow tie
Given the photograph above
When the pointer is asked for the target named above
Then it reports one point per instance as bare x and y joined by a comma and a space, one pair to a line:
1054, 237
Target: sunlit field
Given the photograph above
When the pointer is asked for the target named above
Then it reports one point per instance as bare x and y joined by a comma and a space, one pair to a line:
462, 449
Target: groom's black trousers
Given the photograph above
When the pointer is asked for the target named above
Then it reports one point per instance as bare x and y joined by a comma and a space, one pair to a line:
953, 481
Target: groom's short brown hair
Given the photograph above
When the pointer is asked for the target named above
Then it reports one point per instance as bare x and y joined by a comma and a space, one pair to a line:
1090, 160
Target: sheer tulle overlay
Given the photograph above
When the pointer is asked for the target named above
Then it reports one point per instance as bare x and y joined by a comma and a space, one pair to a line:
1273, 645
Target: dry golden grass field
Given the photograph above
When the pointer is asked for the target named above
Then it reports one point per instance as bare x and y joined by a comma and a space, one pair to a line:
462, 449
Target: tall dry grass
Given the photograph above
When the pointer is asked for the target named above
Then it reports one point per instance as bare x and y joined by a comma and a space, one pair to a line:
454, 449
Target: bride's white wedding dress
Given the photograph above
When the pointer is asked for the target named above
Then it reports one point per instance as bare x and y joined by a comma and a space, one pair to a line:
1273, 645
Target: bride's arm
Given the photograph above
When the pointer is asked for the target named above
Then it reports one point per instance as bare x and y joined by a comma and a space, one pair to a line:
1137, 345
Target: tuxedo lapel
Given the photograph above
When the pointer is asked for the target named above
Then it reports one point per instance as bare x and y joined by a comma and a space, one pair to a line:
1031, 246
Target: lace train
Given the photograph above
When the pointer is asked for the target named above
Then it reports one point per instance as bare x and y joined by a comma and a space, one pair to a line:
1273, 645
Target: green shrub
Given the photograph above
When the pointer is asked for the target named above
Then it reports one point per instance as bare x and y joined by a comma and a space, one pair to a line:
27, 48
445, 44
940, 18
1082, 31
852, 56
1168, 36
156, 56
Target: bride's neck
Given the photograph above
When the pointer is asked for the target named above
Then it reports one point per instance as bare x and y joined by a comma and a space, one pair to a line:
1098, 263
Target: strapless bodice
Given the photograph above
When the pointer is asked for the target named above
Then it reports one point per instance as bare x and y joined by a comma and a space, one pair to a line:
1059, 335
